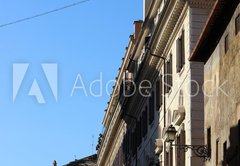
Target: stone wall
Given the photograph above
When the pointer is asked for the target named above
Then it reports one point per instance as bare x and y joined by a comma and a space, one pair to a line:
222, 98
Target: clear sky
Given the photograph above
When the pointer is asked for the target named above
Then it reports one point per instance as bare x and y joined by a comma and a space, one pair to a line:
84, 40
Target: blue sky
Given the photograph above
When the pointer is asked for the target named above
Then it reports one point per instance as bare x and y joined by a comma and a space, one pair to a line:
84, 40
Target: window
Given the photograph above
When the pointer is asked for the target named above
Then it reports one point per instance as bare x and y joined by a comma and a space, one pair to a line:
139, 137
180, 54
168, 77
127, 144
128, 139
147, 39
171, 156
159, 93
151, 108
217, 142
125, 148
224, 151
209, 141
134, 143
145, 122
226, 43
180, 154
167, 159
237, 24
140, 128
239, 134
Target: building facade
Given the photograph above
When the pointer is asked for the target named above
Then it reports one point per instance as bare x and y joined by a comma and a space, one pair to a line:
157, 89
219, 49
87, 161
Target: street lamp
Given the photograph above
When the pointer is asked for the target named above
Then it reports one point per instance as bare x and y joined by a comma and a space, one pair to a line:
199, 150
169, 135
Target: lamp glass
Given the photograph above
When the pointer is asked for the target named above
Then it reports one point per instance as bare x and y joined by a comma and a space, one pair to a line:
170, 134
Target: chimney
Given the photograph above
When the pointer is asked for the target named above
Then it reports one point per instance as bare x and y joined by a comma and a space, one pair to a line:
137, 28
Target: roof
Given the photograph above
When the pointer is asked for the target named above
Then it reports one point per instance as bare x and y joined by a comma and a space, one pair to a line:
87, 161
217, 22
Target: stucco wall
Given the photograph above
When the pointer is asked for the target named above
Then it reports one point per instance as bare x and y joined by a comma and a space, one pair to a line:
222, 92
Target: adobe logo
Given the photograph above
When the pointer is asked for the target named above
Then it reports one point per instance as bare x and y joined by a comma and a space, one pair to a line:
51, 72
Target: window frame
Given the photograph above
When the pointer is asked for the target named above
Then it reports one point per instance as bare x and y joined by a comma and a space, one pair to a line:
180, 52
209, 139
237, 24
226, 43
168, 80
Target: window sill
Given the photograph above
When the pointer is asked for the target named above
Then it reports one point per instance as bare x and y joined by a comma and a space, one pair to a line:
181, 71
160, 108
169, 92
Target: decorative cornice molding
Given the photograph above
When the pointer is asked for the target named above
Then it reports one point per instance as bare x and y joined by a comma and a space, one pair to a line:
166, 31
201, 3
110, 133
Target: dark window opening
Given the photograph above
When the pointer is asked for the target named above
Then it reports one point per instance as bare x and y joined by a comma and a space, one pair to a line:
151, 108
171, 157
209, 141
180, 54
139, 133
237, 24
217, 142
168, 77
134, 143
239, 134
145, 122
224, 152
159, 93
180, 153
226, 43
147, 39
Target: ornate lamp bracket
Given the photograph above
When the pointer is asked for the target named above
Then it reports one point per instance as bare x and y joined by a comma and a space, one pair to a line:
199, 150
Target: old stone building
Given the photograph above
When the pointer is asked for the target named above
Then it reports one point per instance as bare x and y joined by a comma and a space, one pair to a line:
157, 90
219, 49
87, 161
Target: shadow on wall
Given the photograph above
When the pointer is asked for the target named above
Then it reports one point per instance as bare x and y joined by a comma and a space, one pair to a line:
232, 153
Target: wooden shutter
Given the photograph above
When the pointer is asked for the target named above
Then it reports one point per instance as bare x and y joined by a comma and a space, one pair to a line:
182, 49
178, 55
158, 94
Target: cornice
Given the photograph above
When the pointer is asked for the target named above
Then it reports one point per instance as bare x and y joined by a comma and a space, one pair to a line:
110, 133
176, 29
201, 3
166, 30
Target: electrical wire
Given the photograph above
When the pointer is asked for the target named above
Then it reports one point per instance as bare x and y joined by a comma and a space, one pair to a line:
42, 14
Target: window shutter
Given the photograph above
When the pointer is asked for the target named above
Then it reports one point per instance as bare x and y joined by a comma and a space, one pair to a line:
170, 72
182, 49
151, 108
237, 24
165, 78
158, 94
168, 82
139, 133
178, 55
146, 120
161, 90
168, 75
